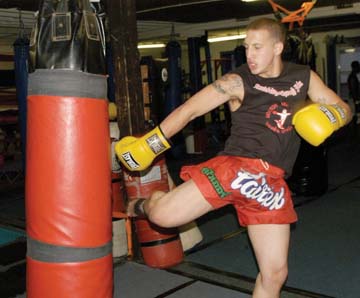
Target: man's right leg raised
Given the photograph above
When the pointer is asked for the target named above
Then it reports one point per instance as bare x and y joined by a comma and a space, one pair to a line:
174, 208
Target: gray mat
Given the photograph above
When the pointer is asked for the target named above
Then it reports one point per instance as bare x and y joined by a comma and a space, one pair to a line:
214, 225
324, 252
133, 280
205, 290
344, 162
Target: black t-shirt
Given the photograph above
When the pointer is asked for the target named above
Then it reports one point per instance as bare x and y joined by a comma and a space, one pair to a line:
262, 126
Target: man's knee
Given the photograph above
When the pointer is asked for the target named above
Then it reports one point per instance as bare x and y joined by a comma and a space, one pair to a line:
157, 212
161, 218
275, 277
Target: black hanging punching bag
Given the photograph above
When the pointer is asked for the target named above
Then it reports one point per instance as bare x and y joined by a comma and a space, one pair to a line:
310, 172
239, 55
173, 93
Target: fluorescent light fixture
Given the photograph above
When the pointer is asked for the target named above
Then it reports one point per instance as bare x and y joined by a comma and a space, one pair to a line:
249, 0
225, 38
350, 50
151, 46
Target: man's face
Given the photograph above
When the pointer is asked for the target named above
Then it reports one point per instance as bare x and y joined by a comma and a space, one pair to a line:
261, 49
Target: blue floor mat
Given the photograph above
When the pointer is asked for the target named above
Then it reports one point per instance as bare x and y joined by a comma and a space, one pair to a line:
9, 235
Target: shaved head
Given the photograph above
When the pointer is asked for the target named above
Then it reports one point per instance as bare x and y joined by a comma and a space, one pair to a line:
275, 28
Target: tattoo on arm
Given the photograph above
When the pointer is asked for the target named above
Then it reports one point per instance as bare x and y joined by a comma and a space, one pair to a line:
228, 84
218, 87
321, 100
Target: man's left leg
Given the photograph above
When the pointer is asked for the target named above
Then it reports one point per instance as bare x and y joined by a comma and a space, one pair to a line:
271, 245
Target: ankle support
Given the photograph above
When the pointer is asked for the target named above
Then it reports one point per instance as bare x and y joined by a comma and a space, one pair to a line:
139, 207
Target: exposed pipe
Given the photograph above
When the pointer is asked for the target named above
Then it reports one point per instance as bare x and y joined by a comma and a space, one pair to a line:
177, 5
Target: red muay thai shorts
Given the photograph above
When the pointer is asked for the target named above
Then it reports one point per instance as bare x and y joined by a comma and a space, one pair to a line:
257, 189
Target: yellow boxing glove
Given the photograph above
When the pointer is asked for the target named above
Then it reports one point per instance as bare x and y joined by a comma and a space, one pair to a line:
137, 154
316, 122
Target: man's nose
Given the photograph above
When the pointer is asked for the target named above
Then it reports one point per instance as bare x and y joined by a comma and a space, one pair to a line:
248, 53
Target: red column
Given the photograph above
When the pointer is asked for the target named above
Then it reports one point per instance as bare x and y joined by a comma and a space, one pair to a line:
68, 205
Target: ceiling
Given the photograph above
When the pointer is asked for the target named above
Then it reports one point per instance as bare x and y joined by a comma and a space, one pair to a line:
193, 17
195, 11
191, 11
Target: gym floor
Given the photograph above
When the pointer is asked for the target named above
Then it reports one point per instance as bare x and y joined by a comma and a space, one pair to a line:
324, 249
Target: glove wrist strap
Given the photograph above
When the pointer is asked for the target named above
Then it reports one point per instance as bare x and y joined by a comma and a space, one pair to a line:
157, 141
165, 137
341, 114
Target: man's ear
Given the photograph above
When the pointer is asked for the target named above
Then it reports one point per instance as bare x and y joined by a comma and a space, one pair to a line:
278, 48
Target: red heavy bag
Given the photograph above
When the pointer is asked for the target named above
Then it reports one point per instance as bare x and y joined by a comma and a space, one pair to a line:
160, 247
68, 205
143, 184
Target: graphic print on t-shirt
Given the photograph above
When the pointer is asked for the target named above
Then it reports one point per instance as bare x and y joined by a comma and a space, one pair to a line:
278, 119
277, 115
292, 91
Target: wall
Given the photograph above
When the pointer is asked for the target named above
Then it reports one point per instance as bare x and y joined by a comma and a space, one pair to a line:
319, 41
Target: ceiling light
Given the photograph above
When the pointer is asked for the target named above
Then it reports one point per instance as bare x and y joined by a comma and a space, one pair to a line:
225, 38
151, 46
350, 50
249, 0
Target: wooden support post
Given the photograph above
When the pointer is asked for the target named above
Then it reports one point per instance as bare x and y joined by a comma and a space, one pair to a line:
128, 89
127, 78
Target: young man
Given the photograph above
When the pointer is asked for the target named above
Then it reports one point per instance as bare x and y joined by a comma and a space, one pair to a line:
264, 95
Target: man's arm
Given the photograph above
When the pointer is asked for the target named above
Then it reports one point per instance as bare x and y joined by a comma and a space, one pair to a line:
317, 121
229, 87
320, 93
137, 154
